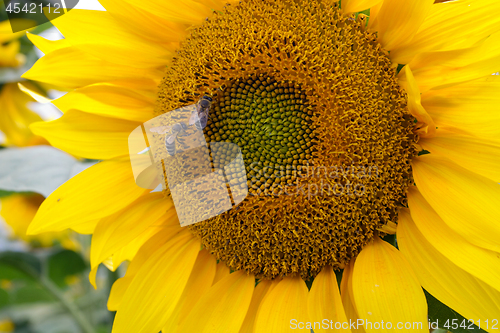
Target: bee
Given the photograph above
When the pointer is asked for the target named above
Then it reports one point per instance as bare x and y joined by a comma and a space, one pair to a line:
172, 133
199, 117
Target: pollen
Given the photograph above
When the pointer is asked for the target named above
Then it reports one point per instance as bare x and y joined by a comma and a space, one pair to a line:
312, 101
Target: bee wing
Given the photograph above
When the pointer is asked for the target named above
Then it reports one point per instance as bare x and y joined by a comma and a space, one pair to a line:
160, 129
171, 138
204, 120
194, 118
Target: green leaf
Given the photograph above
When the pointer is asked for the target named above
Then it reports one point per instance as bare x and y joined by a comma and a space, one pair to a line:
445, 318
64, 264
31, 293
4, 298
40, 169
5, 193
20, 265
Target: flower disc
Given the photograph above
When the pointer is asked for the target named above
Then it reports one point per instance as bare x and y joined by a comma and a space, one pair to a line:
313, 103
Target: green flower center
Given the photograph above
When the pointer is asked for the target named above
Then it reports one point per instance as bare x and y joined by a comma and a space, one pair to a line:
270, 122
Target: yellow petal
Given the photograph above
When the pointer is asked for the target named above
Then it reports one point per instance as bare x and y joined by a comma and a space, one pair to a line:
157, 287
145, 252
129, 251
85, 228
96, 192
69, 68
477, 155
324, 302
223, 307
221, 273
481, 263
47, 46
347, 296
468, 203
109, 101
284, 309
260, 291
110, 41
188, 11
198, 284
87, 135
470, 107
352, 6
145, 25
398, 21
451, 25
443, 68
16, 117
425, 126
386, 289
36, 96
118, 289
118, 230
451, 285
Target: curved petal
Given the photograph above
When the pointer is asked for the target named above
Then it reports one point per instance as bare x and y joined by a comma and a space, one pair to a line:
451, 285
85, 228
198, 284
187, 12
70, 206
386, 289
109, 101
145, 25
106, 39
471, 107
145, 252
347, 296
259, 293
221, 273
118, 230
477, 155
467, 202
352, 6
451, 25
46, 45
436, 70
398, 21
425, 126
324, 301
69, 68
479, 262
87, 135
223, 307
157, 287
284, 308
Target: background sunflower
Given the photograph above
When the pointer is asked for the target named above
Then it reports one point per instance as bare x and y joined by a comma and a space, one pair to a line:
42, 287
378, 83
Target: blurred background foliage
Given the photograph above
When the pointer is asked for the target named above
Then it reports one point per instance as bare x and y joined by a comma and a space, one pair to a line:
44, 285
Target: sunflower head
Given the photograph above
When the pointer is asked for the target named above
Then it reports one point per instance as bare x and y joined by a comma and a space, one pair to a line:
320, 120
309, 97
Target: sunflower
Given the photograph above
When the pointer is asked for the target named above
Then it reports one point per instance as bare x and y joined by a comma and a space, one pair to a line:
354, 121
18, 210
6, 326
15, 116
